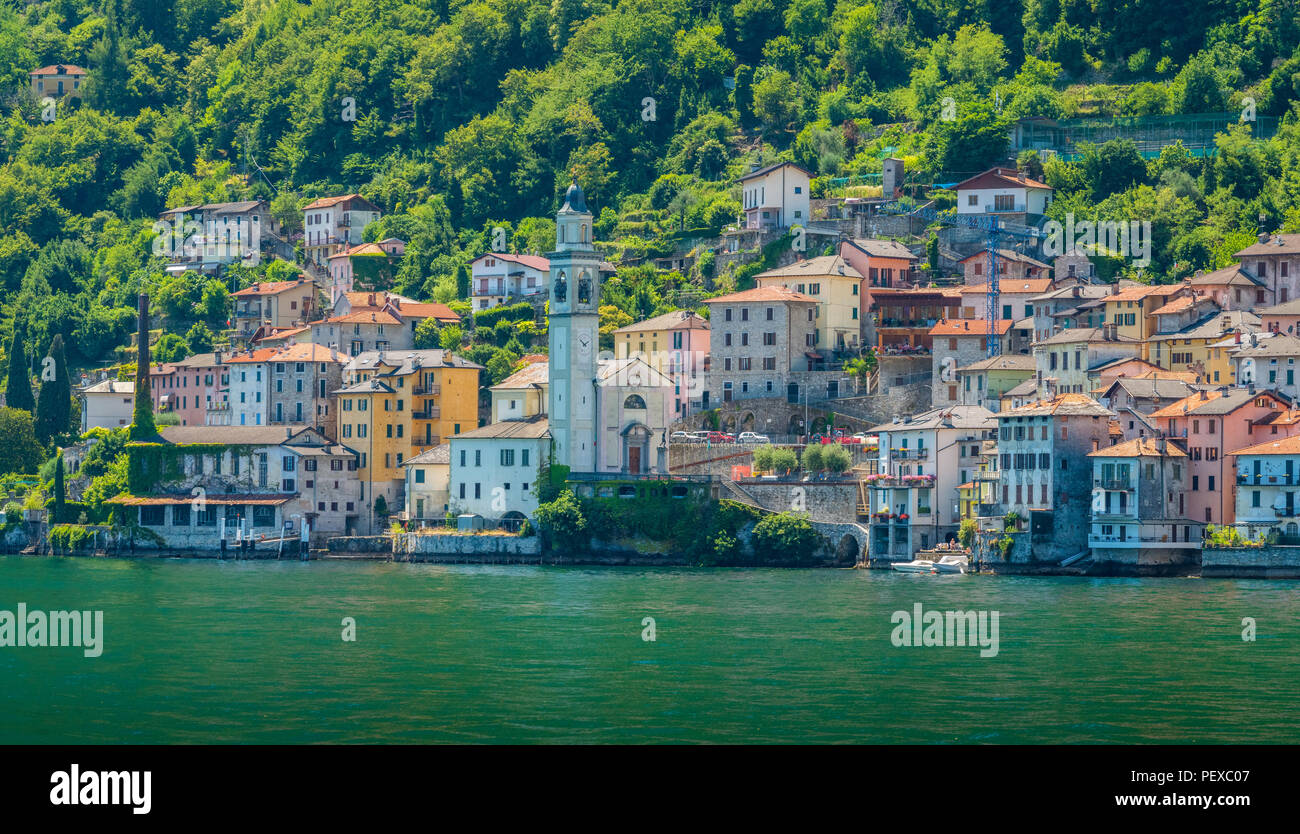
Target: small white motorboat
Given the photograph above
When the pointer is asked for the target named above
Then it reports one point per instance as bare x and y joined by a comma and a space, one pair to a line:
953, 563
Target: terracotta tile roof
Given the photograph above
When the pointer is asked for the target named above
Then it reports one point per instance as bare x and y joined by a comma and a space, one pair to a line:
426, 310
968, 327
676, 320
999, 177
759, 294
1140, 291
326, 202
283, 334
363, 317
257, 355
1280, 446
1145, 447
1061, 404
832, 266
272, 288
53, 69
1177, 305
1214, 402
308, 352
532, 261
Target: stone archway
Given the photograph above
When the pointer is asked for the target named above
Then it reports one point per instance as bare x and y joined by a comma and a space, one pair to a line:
636, 449
795, 425
728, 422
847, 552
747, 422
512, 521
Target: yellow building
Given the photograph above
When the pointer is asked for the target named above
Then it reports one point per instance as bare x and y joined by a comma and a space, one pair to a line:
1131, 309
395, 406
1192, 349
837, 288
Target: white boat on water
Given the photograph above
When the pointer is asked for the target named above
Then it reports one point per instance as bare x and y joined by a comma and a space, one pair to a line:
951, 563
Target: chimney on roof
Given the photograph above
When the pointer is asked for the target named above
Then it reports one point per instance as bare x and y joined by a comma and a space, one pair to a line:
753, 166
1263, 237
1020, 175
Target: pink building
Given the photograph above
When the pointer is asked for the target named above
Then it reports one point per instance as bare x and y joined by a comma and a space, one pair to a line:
194, 389
1211, 425
676, 345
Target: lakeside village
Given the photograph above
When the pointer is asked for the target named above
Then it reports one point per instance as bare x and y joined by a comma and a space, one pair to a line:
850, 409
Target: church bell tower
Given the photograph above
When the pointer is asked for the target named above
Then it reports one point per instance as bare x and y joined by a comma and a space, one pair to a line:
574, 331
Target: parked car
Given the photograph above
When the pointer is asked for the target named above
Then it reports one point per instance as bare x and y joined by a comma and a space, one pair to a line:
682, 437
720, 437
752, 437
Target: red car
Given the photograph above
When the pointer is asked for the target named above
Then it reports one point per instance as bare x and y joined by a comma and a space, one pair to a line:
720, 437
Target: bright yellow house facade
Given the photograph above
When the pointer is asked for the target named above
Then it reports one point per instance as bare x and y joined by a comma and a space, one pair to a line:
395, 406
837, 288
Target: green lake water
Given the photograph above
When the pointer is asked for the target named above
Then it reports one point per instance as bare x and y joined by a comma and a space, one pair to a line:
207, 651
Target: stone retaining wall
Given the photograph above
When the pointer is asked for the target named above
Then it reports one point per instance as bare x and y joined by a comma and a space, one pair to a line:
466, 547
1272, 562
360, 544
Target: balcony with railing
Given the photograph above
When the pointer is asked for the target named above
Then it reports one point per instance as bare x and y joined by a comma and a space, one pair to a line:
1260, 479
427, 413
430, 440
1117, 484
426, 390
909, 454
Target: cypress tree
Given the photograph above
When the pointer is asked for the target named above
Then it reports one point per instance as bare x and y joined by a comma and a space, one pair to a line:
60, 491
54, 405
18, 390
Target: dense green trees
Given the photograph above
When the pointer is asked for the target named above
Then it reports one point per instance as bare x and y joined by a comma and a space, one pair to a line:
462, 119
21, 452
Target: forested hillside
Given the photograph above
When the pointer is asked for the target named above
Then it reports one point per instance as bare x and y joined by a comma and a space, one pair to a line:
457, 117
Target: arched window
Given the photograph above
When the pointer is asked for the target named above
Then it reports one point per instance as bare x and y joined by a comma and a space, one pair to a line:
634, 401
582, 238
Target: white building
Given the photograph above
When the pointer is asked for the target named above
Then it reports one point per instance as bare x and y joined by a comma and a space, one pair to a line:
332, 224
501, 278
776, 197
494, 469
428, 485
109, 404
913, 498
1002, 191
250, 377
